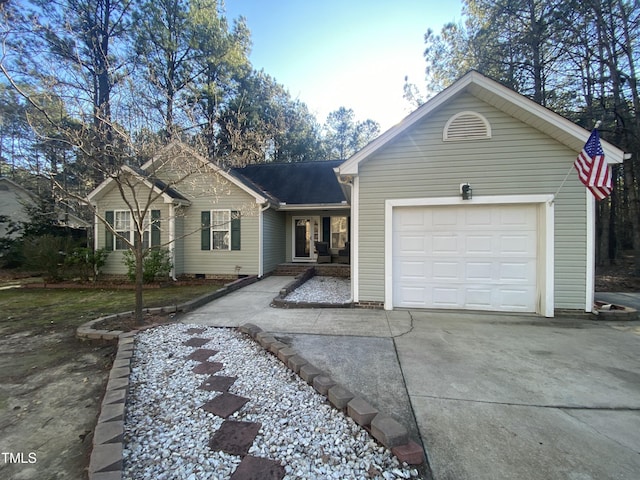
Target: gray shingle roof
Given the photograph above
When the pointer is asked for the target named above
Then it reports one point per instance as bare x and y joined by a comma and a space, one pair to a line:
300, 183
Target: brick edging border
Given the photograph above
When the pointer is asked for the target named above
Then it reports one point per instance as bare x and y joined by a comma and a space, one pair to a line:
280, 302
87, 332
105, 462
380, 426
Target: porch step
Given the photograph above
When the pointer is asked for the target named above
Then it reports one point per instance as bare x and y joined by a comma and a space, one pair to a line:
322, 269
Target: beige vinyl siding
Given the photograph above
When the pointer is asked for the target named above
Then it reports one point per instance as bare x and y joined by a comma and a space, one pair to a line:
220, 262
179, 241
517, 160
205, 190
273, 228
112, 200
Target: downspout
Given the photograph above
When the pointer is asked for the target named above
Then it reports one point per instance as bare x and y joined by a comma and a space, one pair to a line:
172, 236
349, 182
95, 227
263, 209
95, 236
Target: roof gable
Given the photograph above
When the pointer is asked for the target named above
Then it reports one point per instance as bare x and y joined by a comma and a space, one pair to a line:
172, 193
504, 99
168, 194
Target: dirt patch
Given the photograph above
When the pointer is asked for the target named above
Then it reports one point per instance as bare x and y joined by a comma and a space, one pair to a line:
619, 277
126, 323
51, 387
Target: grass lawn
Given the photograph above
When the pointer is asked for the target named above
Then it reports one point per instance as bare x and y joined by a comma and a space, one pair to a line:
46, 310
51, 383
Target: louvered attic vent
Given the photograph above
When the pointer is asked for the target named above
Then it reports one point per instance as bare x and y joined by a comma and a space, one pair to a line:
466, 126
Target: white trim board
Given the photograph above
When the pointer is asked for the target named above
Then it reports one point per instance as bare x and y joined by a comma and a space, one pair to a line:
546, 237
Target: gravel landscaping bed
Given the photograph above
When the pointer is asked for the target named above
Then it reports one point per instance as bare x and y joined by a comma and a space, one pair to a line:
322, 290
167, 432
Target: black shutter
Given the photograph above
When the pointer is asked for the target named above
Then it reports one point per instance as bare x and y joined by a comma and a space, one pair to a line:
155, 228
205, 233
326, 230
108, 236
235, 230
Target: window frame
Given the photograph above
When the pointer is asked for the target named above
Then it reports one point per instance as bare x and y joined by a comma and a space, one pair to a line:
339, 232
119, 243
224, 227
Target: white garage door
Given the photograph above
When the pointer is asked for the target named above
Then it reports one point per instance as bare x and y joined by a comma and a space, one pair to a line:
465, 257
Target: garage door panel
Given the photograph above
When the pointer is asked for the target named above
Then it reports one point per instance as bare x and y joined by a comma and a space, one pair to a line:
449, 271
478, 298
439, 219
478, 218
412, 244
480, 271
512, 272
513, 217
413, 270
445, 297
414, 296
444, 244
466, 257
479, 244
516, 300
522, 244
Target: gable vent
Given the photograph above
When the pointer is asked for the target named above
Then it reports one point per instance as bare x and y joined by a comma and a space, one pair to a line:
466, 126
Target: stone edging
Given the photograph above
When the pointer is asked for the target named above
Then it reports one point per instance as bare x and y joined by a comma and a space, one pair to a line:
310, 272
383, 428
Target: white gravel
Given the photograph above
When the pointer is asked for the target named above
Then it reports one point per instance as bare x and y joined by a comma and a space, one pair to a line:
167, 433
322, 290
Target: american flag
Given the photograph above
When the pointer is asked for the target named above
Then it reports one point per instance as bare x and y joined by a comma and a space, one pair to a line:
593, 169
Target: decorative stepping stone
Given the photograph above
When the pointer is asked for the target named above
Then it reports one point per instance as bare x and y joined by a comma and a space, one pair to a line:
207, 368
255, 468
201, 355
195, 331
234, 438
196, 342
225, 404
218, 383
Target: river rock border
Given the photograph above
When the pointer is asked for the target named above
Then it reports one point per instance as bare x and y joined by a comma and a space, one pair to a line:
106, 456
281, 302
106, 459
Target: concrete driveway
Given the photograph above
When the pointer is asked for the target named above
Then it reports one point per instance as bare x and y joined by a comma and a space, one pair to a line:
491, 396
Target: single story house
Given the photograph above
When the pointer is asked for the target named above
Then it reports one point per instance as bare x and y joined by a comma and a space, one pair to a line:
469, 203
225, 223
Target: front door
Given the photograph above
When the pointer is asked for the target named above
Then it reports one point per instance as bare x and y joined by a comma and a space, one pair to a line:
305, 233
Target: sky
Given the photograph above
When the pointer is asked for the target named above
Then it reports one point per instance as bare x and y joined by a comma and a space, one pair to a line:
344, 53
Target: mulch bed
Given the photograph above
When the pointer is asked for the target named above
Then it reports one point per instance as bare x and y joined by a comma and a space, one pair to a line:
126, 323
116, 285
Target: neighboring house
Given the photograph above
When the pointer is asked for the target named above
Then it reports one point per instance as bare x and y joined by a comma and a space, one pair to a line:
221, 224
517, 242
520, 244
14, 199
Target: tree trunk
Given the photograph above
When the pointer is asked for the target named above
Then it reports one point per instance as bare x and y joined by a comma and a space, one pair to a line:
634, 211
139, 317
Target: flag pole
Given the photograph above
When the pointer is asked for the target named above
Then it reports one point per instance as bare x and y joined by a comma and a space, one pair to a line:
596, 126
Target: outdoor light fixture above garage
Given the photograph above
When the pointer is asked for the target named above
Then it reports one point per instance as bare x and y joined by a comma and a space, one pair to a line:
466, 191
